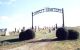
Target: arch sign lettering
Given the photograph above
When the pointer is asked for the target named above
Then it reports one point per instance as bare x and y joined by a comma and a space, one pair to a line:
48, 10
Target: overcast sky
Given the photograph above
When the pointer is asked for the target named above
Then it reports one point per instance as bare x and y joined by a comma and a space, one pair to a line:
17, 13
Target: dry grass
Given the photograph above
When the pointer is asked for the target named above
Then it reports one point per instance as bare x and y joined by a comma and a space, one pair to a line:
44, 45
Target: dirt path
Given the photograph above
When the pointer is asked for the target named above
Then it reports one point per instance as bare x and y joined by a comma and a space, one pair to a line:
27, 46
31, 46
48, 45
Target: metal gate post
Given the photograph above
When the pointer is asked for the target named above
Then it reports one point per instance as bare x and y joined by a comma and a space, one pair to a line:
63, 17
32, 20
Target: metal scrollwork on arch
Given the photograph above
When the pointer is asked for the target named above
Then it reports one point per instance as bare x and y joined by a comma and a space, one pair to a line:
47, 10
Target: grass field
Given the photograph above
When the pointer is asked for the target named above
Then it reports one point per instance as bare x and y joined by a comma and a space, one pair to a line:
42, 41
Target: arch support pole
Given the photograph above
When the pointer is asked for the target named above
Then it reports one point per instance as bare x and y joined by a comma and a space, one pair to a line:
63, 17
32, 21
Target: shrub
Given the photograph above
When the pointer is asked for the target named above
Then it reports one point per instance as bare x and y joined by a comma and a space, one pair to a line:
62, 33
73, 35
26, 35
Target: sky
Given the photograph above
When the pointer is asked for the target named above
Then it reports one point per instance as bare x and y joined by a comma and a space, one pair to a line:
17, 13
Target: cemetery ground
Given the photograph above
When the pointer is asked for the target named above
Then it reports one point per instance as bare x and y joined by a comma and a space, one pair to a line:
42, 41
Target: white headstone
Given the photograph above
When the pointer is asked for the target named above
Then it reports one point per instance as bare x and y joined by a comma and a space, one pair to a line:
7, 33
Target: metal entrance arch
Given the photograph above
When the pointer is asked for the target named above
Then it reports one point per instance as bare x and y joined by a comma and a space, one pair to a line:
49, 10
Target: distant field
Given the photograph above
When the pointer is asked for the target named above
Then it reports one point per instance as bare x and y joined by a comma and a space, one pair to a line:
44, 34
2, 38
39, 42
